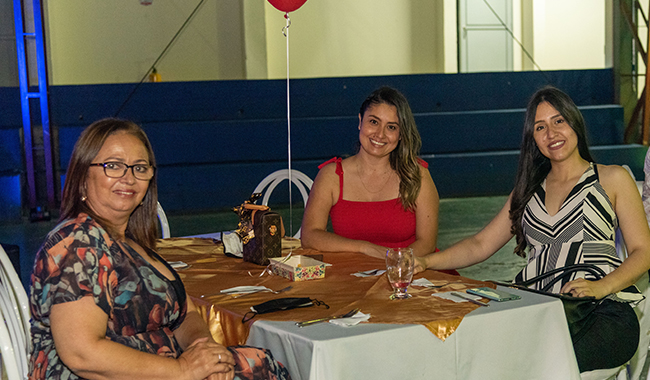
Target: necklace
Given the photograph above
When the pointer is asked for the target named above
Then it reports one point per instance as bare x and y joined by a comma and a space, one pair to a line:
390, 174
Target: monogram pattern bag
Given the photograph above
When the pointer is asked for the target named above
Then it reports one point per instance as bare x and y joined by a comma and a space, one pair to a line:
261, 231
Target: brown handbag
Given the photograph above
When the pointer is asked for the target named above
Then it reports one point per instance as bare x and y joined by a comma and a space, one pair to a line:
261, 231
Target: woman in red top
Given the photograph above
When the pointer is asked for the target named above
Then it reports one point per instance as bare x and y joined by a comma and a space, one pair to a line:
383, 196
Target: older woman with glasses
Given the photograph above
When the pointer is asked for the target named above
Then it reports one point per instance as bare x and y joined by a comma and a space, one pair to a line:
104, 304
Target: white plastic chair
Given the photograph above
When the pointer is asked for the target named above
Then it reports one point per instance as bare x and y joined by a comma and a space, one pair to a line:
9, 279
635, 366
14, 305
9, 364
301, 180
605, 374
642, 310
164, 224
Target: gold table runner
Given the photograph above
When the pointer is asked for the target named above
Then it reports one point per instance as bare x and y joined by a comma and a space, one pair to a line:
211, 271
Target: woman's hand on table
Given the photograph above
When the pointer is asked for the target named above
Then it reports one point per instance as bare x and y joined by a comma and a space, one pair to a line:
585, 288
420, 264
373, 250
205, 359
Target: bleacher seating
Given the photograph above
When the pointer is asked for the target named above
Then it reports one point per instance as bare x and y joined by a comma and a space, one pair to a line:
215, 140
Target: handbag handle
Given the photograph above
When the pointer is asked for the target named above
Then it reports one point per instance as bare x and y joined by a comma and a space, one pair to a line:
566, 271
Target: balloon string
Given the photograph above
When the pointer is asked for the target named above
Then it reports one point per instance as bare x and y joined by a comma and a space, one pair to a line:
285, 31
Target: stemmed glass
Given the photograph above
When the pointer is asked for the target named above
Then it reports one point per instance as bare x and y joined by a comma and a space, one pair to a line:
399, 268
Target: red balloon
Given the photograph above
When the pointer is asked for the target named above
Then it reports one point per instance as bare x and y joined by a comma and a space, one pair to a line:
287, 5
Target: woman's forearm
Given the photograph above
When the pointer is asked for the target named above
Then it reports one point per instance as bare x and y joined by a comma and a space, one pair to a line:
192, 328
476, 248
628, 273
466, 252
330, 242
79, 333
422, 247
104, 359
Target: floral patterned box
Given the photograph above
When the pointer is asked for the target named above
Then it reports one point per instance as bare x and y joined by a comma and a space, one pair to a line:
298, 268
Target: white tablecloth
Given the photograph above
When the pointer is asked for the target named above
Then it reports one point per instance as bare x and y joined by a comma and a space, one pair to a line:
523, 339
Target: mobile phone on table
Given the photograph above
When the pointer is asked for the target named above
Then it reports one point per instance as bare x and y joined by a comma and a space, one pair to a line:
493, 294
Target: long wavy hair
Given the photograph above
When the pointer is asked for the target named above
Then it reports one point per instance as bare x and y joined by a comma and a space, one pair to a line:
533, 165
142, 226
404, 158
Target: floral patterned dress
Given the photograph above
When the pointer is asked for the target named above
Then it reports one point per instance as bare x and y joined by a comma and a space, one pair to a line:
79, 259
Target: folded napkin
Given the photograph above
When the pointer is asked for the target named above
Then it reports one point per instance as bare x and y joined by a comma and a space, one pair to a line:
351, 321
244, 289
370, 273
426, 283
178, 264
421, 282
232, 244
451, 297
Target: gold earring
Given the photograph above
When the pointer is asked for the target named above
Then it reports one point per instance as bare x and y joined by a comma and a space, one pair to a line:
83, 198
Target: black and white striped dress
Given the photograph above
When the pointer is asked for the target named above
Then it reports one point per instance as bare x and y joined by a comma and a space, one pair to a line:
582, 231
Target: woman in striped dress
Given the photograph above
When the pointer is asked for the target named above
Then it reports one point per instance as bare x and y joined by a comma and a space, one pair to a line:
565, 210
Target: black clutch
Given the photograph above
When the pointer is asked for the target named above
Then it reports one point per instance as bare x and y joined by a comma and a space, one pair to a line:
280, 304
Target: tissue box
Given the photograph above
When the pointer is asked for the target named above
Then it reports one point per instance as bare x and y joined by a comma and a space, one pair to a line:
298, 268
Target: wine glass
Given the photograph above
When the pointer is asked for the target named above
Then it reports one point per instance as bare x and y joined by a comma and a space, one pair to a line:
399, 268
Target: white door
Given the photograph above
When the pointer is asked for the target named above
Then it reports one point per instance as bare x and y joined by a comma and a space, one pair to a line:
484, 42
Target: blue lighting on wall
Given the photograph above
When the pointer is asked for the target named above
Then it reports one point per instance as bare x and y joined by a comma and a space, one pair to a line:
10, 198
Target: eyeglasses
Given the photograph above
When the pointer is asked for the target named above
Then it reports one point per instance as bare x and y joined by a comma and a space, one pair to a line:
118, 170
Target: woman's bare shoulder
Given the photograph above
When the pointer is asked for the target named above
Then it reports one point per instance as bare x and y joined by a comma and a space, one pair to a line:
425, 174
327, 176
613, 173
616, 180
424, 170
328, 169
